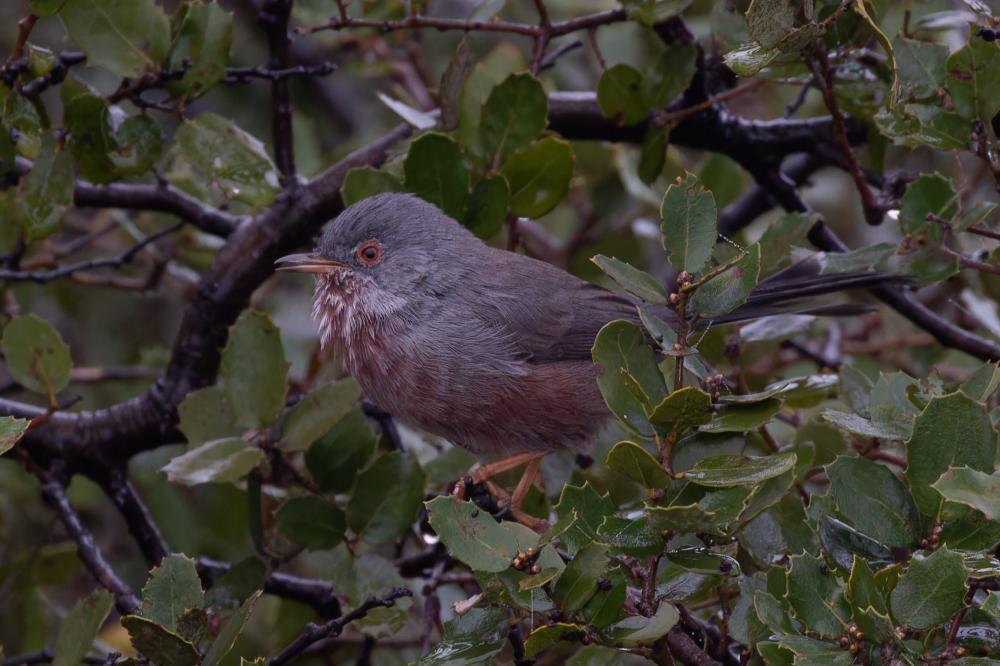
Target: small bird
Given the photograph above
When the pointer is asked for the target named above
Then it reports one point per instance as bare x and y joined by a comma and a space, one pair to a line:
487, 348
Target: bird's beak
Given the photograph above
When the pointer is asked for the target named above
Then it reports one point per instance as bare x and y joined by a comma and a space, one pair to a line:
308, 263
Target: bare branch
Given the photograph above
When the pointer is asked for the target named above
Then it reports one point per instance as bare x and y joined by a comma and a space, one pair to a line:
273, 18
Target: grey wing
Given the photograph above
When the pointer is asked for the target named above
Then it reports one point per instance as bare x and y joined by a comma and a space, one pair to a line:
548, 314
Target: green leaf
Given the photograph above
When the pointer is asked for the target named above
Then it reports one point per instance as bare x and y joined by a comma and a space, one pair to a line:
364, 576
630, 536
749, 59
814, 595
670, 75
218, 461
172, 589
479, 84
80, 627
742, 417
890, 406
730, 289
228, 159
45, 8
589, 508
254, 370
539, 176
920, 67
636, 282
545, 637
127, 37
578, 582
620, 346
653, 154
983, 383
335, 459
11, 430
471, 535
857, 425
930, 591
638, 464
89, 126
452, 80
386, 498
435, 172
641, 630
599, 655
515, 113
606, 606
729, 470
311, 522
780, 531
688, 213
470, 639
842, 542
872, 499
976, 489
929, 194
488, 205
238, 584
230, 632
363, 182
809, 389
952, 431
620, 95
772, 614
869, 605
317, 413
971, 78
770, 21
46, 193
206, 414
202, 35
158, 644
138, 144
36, 356
700, 559
683, 409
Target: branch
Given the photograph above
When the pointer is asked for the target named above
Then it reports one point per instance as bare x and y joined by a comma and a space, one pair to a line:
238, 75
273, 18
317, 632
54, 495
684, 649
44, 657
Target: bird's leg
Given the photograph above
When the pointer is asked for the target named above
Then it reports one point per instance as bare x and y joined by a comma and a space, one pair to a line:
484, 472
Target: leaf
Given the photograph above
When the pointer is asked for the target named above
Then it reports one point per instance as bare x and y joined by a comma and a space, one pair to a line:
648, 12
254, 370
634, 281
138, 144
772, 614
206, 414
578, 582
363, 182
318, 413
983, 383
473, 638
479, 84
335, 459
546, 636
619, 345
742, 417
590, 510
415, 117
218, 461
434, 171
620, 95
203, 33
606, 605
688, 213
365, 576
228, 159
952, 431
635, 462
173, 588
312, 522
515, 113
683, 409
46, 193
639, 630
80, 627
930, 591
386, 498
920, 67
158, 644
814, 595
670, 75
976, 489
452, 80
729, 470
653, 154
775, 327
35, 354
11, 430
842, 542
749, 59
230, 632
930, 194
857, 425
90, 137
971, 83
471, 535
730, 289
872, 499
44, 8
890, 406
488, 205
539, 176
769, 21
630, 536
795, 389
127, 37
700, 559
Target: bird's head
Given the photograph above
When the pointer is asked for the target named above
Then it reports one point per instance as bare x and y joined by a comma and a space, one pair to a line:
384, 253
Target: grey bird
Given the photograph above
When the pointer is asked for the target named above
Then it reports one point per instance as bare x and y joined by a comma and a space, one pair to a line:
487, 348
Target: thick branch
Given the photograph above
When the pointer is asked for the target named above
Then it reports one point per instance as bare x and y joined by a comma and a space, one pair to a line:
273, 18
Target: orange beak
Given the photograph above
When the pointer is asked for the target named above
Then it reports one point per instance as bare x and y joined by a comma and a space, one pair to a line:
308, 263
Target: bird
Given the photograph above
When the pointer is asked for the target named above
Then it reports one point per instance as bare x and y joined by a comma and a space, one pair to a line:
488, 348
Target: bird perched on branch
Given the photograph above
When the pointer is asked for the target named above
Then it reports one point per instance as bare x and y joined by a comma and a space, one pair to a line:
487, 348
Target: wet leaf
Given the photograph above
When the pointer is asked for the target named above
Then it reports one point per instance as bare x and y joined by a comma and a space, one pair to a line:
578, 582
742, 417
683, 409
971, 72
473, 638
630, 536
641, 630
452, 80
842, 542
546, 636
971, 487
873, 500
471, 535
730, 470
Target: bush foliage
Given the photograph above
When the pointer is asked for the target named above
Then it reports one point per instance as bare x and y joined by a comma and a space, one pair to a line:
188, 479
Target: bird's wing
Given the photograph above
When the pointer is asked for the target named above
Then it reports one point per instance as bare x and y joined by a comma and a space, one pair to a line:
546, 313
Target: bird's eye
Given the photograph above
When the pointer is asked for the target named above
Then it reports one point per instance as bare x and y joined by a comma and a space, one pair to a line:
369, 253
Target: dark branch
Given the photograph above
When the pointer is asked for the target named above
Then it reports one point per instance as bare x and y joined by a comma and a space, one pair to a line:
273, 18
238, 75
317, 632
44, 657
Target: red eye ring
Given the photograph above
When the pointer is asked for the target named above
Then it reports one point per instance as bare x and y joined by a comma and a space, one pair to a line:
369, 253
